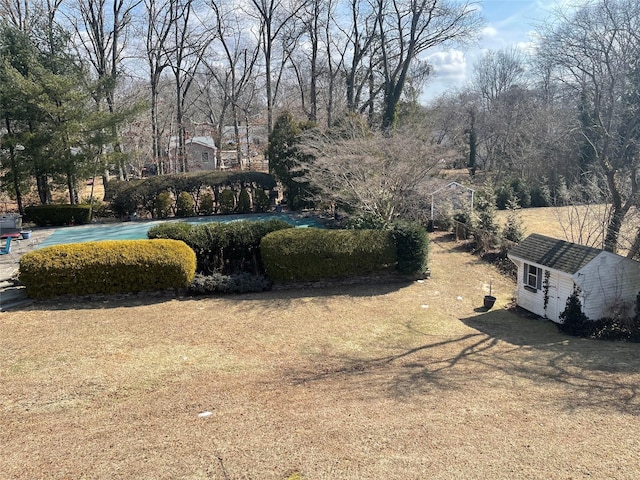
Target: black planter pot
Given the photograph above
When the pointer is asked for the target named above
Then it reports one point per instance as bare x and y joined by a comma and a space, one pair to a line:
489, 301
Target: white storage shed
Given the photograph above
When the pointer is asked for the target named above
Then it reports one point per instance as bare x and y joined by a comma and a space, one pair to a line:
550, 269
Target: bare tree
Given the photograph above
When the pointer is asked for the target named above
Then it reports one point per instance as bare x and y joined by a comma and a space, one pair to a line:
274, 17
359, 47
184, 51
213, 102
239, 58
19, 13
309, 63
159, 23
334, 61
590, 49
584, 220
376, 175
497, 72
407, 28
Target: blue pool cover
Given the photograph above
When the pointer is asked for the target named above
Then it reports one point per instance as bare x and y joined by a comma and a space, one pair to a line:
138, 229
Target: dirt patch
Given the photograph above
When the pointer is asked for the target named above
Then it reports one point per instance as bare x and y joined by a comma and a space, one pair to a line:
352, 382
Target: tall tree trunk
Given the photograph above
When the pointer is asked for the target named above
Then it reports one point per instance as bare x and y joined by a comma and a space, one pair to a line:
618, 212
15, 177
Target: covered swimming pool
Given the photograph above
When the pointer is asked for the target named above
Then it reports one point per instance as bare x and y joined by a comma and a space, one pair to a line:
137, 230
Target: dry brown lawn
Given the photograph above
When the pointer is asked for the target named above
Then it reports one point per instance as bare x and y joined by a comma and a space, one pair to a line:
410, 381
580, 224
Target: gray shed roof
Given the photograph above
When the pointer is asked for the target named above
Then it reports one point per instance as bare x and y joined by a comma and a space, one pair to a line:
553, 253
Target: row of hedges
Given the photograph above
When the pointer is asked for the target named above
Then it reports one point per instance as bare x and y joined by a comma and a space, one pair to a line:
107, 267
57, 215
230, 257
285, 253
192, 194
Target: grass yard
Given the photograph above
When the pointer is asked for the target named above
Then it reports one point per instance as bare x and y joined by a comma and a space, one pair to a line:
403, 382
579, 224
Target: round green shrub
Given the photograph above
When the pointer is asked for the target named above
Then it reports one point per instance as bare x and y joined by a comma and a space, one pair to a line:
206, 204
184, 205
227, 201
261, 201
574, 321
244, 201
412, 244
163, 205
107, 267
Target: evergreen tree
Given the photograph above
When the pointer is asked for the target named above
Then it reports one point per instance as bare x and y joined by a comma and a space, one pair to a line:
485, 227
574, 321
485, 207
285, 160
50, 124
513, 229
184, 205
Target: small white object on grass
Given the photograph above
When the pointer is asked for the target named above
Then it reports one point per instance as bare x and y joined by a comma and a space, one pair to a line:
420, 281
425, 306
459, 297
205, 414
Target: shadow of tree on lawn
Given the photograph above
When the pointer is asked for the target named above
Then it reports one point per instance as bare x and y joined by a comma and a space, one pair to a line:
594, 373
505, 350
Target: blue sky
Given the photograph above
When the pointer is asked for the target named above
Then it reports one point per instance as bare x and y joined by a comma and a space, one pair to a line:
507, 23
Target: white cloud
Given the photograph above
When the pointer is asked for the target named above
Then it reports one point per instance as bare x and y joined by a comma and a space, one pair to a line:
489, 31
449, 72
509, 24
448, 64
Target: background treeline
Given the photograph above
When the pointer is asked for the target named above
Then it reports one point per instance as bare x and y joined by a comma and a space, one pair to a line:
97, 88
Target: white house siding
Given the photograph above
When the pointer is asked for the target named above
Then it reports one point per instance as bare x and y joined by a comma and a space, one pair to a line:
608, 282
554, 305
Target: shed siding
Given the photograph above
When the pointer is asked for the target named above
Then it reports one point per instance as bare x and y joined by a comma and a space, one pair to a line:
565, 289
608, 282
560, 288
531, 301
559, 284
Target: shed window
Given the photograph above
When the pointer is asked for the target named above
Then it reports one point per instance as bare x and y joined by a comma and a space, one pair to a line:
205, 157
532, 277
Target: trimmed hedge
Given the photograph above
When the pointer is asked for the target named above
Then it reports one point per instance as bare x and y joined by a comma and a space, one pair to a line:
228, 248
171, 230
227, 201
412, 243
56, 215
107, 267
126, 197
306, 254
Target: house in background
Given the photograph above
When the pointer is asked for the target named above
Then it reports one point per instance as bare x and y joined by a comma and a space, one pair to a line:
550, 269
201, 153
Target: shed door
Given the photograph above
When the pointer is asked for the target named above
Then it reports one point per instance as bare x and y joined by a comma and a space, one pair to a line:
552, 306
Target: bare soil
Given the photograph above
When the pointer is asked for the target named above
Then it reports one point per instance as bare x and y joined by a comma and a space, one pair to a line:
401, 381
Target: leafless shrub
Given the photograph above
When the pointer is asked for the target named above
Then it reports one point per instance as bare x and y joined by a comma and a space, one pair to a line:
374, 174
